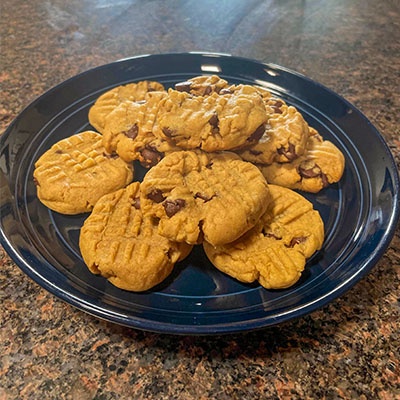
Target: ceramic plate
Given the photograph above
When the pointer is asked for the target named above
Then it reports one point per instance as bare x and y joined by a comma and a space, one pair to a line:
360, 212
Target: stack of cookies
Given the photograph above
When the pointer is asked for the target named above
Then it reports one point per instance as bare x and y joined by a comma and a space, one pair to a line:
222, 161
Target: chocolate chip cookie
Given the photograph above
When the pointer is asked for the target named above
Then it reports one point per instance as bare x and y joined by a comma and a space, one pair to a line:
108, 101
274, 252
285, 137
322, 164
203, 85
119, 243
196, 194
77, 171
129, 128
214, 122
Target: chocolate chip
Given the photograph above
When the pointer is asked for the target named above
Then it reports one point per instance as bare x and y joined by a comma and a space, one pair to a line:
150, 89
255, 152
324, 180
257, 134
132, 133
151, 157
136, 203
112, 155
167, 131
297, 240
290, 154
156, 195
173, 206
58, 152
198, 195
209, 165
276, 109
184, 86
35, 181
226, 91
271, 235
312, 172
214, 122
278, 103
207, 91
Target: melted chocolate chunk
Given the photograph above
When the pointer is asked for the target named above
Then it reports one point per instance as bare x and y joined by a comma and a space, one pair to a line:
278, 103
207, 91
132, 133
324, 180
167, 131
214, 122
151, 157
276, 109
136, 203
150, 89
257, 134
226, 91
297, 240
156, 195
312, 172
173, 206
58, 152
183, 86
209, 165
271, 235
289, 154
198, 195
112, 155
255, 152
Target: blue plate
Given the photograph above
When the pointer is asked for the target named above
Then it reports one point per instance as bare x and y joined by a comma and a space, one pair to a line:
360, 213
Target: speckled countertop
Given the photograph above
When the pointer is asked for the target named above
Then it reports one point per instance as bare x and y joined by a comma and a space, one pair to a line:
50, 350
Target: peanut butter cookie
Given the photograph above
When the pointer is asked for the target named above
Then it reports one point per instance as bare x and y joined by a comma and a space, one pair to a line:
194, 193
122, 245
274, 252
128, 131
285, 137
202, 85
108, 101
76, 172
214, 122
322, 164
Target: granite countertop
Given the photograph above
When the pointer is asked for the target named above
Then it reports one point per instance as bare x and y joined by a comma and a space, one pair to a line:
347, 349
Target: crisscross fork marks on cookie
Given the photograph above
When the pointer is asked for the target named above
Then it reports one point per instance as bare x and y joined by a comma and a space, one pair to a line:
274, 252
195, 193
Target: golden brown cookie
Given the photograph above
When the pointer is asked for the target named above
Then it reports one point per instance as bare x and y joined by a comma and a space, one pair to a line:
321, 165
285, 137
213, 122
274, 252
202, 85
195, 193
76, 172
108, 101
128, 131
122, 245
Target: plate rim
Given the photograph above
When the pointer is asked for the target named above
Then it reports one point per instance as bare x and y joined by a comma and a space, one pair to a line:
224, 328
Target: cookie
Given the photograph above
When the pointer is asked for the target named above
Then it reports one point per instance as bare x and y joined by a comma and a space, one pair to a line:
322, 164
128, 131
285, 137
76, 172
119, 243
108, 101
202, 85
214, 122
274, 252
194, 193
